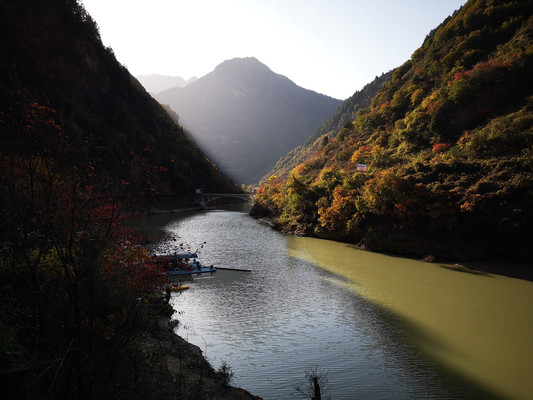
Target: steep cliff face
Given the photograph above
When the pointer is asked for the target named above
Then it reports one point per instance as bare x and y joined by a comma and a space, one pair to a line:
245, 116
52, 57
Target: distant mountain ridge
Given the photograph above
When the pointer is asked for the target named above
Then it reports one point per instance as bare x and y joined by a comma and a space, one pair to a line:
155, 83
245, 117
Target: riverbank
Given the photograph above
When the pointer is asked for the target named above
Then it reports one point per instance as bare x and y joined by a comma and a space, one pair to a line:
173, 367
511, 269
518, 269
178, 369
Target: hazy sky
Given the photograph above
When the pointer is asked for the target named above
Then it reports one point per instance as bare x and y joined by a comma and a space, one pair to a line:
333, 47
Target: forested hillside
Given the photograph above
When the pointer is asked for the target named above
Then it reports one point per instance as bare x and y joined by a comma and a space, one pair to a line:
448, 147
80, 139
55, 69
344, 114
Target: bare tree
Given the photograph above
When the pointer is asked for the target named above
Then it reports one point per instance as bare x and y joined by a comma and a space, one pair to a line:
315, 383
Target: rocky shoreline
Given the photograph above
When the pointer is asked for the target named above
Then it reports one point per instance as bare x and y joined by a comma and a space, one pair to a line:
178, 369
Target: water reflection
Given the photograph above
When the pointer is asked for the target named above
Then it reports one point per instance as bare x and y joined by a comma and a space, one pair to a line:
307, 303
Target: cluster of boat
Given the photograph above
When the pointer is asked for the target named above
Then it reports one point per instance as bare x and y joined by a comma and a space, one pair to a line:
182, 264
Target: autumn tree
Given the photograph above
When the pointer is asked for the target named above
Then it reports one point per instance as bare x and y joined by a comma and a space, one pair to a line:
74, 283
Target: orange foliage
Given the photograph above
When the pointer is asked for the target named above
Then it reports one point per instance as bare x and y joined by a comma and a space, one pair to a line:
342, 208
359, 155
381, 193
271, 194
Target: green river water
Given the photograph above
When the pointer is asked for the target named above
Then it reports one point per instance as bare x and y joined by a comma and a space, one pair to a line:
383, 327
480, 325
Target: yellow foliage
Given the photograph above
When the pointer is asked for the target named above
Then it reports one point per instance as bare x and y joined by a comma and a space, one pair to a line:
381, 193
417, 96
359, 155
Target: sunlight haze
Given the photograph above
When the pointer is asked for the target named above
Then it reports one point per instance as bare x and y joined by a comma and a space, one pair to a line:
333, 47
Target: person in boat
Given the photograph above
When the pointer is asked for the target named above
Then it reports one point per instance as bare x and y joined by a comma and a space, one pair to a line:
174, 264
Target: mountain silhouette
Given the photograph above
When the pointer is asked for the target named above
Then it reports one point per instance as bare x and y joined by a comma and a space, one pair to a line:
245, 117
155, 83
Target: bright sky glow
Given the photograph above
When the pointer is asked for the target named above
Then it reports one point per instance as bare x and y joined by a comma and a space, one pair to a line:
333, 47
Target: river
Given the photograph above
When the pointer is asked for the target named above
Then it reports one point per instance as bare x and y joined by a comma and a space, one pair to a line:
379, 327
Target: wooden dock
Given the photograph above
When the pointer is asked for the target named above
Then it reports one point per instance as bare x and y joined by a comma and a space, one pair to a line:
234, 269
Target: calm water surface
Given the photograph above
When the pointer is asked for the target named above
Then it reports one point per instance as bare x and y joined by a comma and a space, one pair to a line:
381, 327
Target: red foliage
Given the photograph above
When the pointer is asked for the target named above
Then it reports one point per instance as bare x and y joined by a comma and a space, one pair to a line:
433, 107
440, 147
459, 75
65, 199
131, 264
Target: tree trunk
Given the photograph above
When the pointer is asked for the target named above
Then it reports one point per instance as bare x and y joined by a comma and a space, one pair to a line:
317, 389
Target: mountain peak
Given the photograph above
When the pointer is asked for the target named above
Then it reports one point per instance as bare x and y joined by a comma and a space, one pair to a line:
245, 116
241, 62
246, 65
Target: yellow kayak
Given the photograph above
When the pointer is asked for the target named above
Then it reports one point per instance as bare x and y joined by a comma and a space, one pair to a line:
178, 287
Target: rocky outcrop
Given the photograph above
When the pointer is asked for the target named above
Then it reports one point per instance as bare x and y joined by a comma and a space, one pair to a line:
178, 369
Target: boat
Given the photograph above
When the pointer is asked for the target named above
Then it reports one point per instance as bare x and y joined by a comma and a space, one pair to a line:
182, 264
191, 269
178, 287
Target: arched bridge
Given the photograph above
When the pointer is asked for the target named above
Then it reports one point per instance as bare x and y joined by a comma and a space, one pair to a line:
206, 198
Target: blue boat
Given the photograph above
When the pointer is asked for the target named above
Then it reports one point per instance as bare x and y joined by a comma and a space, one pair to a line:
194, 269
182, 264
